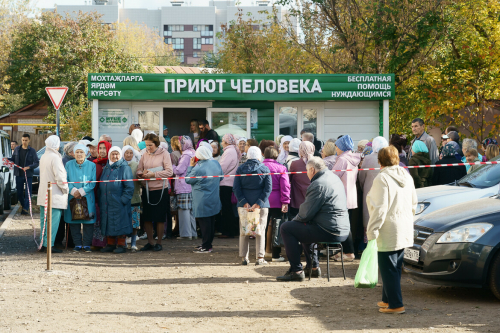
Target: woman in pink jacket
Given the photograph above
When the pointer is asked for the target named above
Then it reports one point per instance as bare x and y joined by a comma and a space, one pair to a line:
155, 163
280, 195
229, 162
347, 160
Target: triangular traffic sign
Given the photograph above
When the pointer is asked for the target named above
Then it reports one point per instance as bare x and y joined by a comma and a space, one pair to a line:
56, 95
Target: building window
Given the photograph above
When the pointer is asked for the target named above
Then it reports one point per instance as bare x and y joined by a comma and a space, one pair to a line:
197, 54
206, 41
180, 56
206, 30
196, 43
177, 43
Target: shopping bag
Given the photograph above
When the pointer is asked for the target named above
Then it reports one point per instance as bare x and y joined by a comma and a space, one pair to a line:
367, 275
276, 224
249, 222
79, 209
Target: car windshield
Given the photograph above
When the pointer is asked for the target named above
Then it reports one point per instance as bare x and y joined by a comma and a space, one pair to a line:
484, 176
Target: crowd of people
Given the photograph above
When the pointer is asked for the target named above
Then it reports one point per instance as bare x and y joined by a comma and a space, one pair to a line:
321, 204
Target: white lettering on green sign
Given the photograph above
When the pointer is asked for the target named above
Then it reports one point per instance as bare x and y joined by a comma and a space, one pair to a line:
363, 78
117, 78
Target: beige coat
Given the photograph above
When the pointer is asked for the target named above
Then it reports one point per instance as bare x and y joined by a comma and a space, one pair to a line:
366, 180
52, 170
391, 203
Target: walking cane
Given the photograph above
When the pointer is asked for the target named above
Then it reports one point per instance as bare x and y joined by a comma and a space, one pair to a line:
49, 227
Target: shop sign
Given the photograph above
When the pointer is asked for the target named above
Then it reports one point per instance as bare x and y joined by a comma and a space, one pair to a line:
241, 87
113, 118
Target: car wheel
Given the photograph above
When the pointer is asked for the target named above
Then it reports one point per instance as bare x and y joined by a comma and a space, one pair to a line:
494, 276
6, 197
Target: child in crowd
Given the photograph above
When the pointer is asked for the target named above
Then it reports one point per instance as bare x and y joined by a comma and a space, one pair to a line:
472, 156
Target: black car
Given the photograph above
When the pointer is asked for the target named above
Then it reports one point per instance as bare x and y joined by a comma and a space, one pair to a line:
458, 246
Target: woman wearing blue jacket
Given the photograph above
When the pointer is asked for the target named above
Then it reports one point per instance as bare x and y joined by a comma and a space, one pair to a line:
81, 170
253, 193
115, 202
205, 192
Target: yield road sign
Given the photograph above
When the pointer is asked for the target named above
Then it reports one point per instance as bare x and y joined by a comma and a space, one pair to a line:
56, 95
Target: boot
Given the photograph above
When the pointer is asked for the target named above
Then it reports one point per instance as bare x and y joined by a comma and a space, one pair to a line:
108, 248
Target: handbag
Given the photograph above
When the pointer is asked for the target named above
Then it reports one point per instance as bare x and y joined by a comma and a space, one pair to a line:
277, 240
160, 168
79, 209
250, 222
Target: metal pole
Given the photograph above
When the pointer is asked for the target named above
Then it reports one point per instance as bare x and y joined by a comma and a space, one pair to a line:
57, 122
49, 227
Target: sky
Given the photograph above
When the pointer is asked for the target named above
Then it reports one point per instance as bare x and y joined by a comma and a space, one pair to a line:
149, 4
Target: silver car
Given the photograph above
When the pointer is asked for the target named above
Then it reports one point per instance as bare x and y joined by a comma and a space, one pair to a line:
481, 183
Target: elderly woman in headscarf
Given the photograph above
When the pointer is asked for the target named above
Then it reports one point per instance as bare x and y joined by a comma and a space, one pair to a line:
448, 175
206, 201
362, 145
52, 170
347, 160
128, 153
293, 152
187, 222
420, 156
229, 163
115, 201
81, 170
103, 148
284, 149
328, 154
242, 142
253, 193
368, 150
300, 182
366, 177
130, 141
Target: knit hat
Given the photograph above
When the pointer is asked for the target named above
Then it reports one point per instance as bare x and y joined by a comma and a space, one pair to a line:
419, 147
345, 143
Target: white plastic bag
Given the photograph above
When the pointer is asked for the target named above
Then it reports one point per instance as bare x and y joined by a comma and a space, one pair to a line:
249, 222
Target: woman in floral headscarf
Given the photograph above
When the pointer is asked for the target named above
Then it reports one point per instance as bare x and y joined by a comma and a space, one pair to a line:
187, 222
300, 182
229, 162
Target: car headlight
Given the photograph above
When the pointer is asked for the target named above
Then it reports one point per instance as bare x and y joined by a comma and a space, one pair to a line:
468, 233
421, 206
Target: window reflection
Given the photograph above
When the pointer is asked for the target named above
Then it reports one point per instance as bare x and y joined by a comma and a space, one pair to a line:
310, 120
288, 121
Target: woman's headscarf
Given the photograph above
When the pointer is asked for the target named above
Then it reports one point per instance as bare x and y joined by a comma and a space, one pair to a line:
283, 153
489, 141
378, 143
293, 146
306, 150
419, 147
53, 142
231, 141
368, 150
81, 147
114, 148
362, 144
456, 146
345, 143
137, 156
203, 153
164, 145
254, 153
103, 160
186, 144
242, 139
206, 145
278, 139
137, 135
448, 150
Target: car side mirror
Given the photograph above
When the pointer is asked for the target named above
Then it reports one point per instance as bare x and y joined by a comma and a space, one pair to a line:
5, 169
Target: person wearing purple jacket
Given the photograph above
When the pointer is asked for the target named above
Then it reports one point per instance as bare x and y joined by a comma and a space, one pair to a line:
280, 195
187, 222
347, 160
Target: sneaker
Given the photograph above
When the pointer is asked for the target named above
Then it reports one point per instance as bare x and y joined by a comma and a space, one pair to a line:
316, 273
108, 248
77, 249
144, 236
128, 240
245, 261
261, 262
185, 238
203, 251
157, 248
120, 249
134, 249
292, 276
148, 247
382, 305
198, 247
87, 249
400, 310
164, 237
280, 259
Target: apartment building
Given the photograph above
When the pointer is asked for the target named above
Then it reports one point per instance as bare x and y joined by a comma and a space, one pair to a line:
191, 30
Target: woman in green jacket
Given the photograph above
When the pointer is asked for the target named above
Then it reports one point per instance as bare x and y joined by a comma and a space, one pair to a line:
422, 177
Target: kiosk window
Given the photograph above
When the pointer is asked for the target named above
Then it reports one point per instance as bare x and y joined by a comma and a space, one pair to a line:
230, 122
288, 121
150, 122
310, 120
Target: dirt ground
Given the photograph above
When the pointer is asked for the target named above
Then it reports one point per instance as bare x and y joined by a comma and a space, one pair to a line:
176, 290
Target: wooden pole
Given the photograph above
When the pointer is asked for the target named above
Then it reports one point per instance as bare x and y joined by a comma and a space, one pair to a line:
49, 227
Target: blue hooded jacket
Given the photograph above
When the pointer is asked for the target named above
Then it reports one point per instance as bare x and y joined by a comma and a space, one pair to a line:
253, 189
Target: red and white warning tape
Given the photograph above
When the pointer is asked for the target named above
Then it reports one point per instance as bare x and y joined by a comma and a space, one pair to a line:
279, 173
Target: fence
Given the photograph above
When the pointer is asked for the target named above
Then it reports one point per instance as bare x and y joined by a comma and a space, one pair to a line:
37, 141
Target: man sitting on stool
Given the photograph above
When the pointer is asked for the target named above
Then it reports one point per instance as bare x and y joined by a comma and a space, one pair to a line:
322, 217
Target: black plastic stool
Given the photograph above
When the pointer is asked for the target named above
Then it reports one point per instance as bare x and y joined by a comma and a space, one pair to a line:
339, 245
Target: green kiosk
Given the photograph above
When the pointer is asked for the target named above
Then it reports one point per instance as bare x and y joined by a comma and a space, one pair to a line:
259, 106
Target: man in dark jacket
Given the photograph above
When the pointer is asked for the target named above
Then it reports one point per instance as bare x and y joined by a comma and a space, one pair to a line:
206, 132
322, 217
25, 157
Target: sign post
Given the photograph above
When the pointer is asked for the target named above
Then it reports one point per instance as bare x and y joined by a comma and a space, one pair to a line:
56, 95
